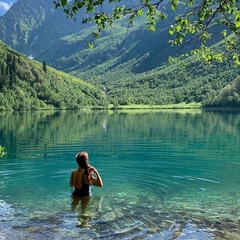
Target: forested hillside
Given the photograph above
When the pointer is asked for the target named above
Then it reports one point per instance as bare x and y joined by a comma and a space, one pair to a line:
197, 81
27, 84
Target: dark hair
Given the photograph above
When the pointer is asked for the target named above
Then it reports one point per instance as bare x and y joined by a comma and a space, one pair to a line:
82, 161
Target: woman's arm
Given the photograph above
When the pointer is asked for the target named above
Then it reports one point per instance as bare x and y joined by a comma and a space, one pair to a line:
98, 180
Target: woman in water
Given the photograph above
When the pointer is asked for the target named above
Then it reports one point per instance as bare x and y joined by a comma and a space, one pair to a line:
82, 179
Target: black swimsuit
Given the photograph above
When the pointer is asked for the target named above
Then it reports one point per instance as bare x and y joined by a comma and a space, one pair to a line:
84, 191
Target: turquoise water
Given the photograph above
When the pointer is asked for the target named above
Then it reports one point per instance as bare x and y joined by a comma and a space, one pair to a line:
167, 174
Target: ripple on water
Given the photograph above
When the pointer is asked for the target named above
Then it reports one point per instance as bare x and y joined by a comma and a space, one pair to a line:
124, 216
158, 184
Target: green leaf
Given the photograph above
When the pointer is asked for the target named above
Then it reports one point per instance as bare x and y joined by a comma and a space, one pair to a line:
174, 4
178, 28
190, 3
237, 17
140, 12
63, 2
90, 44
224, 33
237, 24
163, 16
171, 31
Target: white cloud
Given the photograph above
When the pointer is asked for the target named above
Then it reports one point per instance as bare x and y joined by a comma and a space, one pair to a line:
4, 6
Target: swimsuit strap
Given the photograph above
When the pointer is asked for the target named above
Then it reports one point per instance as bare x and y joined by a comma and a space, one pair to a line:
83, 178
83, 182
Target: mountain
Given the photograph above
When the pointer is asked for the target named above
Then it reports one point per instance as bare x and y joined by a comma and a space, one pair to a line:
36, 29
32, 26
5, 6
29, 84
21, 20
129, 64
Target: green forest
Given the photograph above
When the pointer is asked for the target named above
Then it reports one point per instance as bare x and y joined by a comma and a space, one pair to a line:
26, 84
189, 81
198, 82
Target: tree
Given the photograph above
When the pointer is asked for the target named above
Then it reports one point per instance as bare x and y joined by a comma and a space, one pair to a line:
195, 21
237, 84
228, 97
44, 66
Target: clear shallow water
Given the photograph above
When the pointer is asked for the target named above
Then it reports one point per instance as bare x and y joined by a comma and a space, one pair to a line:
167, 175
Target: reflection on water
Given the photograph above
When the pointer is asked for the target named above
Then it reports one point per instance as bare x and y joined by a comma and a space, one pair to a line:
167, 174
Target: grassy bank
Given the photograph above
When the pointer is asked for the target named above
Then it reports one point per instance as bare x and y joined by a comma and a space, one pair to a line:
168, 106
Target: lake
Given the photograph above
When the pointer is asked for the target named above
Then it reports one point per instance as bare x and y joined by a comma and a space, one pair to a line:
167, 174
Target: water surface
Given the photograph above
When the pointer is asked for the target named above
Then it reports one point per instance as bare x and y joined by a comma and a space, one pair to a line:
167, 174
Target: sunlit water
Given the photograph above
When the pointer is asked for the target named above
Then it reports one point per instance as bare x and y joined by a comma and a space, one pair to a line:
167, 175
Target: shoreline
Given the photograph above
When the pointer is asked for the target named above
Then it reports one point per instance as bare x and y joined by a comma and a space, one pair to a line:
180, 106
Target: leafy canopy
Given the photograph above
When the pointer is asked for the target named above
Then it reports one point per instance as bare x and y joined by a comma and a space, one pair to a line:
196, 21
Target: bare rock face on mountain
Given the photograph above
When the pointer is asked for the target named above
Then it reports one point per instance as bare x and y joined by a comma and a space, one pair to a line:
31, 26
21, 20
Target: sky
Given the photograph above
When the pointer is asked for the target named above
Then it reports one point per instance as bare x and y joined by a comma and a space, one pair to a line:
5, 5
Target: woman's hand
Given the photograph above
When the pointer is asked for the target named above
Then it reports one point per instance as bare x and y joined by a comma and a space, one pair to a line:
98, 180
93, 170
